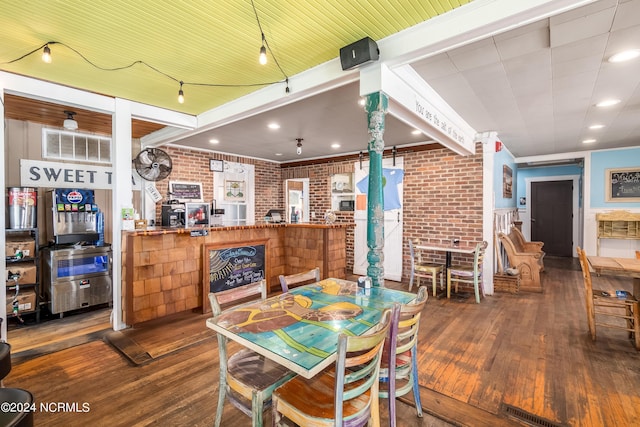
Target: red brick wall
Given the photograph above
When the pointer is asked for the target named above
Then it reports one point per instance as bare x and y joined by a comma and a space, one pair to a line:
442, 192
442, 199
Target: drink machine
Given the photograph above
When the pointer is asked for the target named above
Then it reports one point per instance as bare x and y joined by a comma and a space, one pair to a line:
71, 216
78, 265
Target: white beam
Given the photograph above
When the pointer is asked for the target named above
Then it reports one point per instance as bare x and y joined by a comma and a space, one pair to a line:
3, 203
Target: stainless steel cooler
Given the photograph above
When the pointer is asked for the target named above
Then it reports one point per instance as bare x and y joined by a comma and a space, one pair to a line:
77, 277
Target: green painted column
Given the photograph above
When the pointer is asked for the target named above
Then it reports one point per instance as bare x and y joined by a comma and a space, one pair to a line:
376, 108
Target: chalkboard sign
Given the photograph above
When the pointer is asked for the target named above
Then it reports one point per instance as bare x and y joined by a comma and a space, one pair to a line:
227, 267
623, 185
185, 191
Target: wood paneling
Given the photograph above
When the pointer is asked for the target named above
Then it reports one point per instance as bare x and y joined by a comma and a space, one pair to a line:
52, 115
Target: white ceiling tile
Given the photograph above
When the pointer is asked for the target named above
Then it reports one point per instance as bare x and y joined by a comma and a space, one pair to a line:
582, 48
475, 55
579, 28
581, 12
582, 64
626, 15
628, 38
526, 43
435, 67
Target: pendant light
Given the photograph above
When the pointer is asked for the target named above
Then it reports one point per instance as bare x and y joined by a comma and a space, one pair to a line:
70, 123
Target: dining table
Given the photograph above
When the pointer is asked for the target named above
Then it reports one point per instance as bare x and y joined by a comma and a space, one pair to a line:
618, 266
448, 248
299, 329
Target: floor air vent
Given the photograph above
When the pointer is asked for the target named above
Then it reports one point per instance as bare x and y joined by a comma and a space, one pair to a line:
527, 418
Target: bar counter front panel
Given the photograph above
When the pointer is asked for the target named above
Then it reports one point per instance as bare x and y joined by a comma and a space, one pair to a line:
163, 268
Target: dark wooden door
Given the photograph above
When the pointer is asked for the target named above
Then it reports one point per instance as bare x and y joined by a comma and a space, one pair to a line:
552, 216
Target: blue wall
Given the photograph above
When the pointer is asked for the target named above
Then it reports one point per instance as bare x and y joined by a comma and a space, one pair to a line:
524, 174
502, 158
602, 160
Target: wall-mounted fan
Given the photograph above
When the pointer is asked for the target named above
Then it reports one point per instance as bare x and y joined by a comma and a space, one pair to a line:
153, 164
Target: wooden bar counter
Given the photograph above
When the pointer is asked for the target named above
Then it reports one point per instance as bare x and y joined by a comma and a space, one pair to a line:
162, 268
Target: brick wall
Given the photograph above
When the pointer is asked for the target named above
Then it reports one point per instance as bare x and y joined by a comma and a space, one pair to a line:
442, 192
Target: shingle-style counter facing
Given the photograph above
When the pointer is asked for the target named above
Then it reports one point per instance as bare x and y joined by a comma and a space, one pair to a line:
162, 268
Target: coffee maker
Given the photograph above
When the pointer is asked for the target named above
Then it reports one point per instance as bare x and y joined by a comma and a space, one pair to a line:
173, 215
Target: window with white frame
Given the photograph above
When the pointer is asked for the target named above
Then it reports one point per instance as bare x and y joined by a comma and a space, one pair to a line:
62, 145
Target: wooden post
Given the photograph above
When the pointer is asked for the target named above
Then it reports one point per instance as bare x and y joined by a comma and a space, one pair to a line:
376, 107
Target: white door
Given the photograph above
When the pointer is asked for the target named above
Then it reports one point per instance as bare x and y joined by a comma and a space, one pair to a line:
392, 186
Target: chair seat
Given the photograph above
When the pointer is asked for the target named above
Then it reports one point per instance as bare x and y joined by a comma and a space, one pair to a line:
461, 271
5, 359
429, 267
16, 419
254, 372
315, 397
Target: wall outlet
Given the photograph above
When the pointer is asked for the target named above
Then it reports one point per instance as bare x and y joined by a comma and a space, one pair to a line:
313, 215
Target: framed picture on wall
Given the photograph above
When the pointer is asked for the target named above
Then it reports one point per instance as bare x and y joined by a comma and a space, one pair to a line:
216, 165
234, 191
622, 184
507, 182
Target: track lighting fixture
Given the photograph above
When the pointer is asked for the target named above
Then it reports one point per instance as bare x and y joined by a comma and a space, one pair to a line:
299, 145
263, 52
46, 54
181, 94
70, 123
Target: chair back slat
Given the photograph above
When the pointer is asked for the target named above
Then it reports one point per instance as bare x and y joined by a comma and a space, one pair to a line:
229, 296
305, 277
358, 363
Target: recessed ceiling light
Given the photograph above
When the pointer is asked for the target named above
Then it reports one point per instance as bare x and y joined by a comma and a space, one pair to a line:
335, 145
361, 102
608, 103
415, 132
625, 55
214, 141
596, 126
278, 154
273, 126
588, 141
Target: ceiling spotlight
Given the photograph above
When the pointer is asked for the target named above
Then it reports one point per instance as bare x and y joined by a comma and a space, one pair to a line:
214, 141
299, 145
263, 52
593, 127
273, 126
69, 122
181, 94
608, 103
415, 132
588, 141
335, 145
46, 54
626, 55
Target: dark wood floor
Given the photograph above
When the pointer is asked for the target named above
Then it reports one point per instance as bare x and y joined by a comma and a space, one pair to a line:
527, 350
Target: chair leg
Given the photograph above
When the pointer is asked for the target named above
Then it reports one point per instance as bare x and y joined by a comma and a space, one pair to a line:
221, 394
411, 281
448, 284
434, 280
414, 379
636, 325
476, 289
257, 406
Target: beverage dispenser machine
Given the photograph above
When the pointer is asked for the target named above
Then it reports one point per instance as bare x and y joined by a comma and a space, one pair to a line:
78, 265
71, 216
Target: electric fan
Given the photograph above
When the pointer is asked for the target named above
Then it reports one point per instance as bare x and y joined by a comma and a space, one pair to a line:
153, 164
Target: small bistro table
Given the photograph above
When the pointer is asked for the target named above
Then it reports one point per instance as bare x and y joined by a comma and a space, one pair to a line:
299, 329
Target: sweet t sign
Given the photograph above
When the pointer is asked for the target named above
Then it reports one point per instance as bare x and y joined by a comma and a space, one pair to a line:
35, 173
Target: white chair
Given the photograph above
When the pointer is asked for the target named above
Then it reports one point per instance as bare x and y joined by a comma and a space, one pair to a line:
468, 274
420, 268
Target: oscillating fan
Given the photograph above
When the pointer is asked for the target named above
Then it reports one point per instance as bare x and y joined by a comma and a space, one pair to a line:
153, 164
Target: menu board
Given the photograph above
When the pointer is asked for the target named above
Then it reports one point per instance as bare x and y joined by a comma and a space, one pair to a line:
185, 191
623, 185
233, 266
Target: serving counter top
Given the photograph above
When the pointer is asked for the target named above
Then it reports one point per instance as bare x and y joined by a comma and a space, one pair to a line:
153, 231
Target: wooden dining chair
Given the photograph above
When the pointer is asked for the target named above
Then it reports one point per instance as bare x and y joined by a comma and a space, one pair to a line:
299, 279
420, 268
399, 368
468, 274
346, 394
247, 379
601, 304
